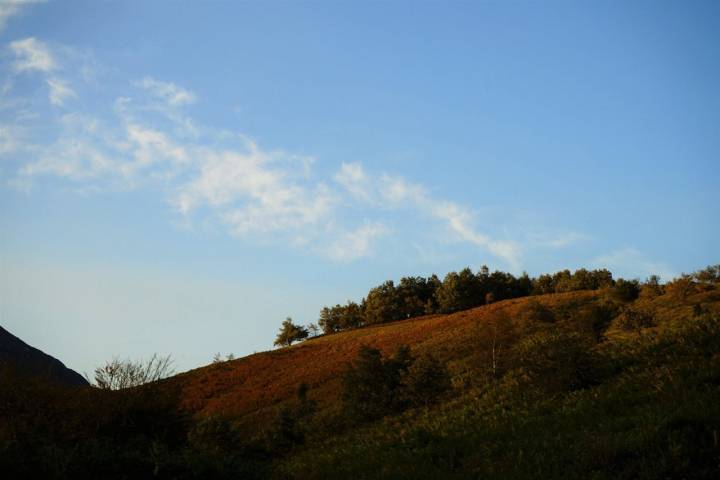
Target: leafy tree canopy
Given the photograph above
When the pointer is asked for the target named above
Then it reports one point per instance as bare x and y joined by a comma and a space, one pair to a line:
289, 333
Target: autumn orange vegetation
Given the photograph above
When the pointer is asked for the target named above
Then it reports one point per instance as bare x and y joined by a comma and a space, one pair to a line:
252, 388
517, 385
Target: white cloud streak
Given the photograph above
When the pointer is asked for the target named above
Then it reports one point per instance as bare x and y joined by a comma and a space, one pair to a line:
352, 177
256, 194
11, 8
32, 55
59, 91
255, 191
394, 192
356, 244
170, 93
459, 221
9, 139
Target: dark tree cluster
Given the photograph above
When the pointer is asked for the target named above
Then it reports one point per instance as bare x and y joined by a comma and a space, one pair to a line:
565, 281
340, 317
415, 296
625, 290
709, 275
687, 284
375, 386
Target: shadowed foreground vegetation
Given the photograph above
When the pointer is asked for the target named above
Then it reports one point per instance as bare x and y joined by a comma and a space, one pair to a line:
581, 384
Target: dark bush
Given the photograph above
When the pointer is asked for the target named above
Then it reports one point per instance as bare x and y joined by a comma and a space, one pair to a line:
374, 386
291, 424
426, 381
625, 290
635, 320
557, 361
370, 385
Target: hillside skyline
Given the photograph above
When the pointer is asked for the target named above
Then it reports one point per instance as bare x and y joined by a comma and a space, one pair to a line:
179, 178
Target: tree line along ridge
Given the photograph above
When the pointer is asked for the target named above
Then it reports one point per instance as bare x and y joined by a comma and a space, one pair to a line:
417, 296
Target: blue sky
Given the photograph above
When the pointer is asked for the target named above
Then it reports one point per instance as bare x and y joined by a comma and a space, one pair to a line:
178, 177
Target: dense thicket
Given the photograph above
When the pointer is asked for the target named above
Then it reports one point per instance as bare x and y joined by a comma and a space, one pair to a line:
647, 409
49, 431
415, 296
622, 386
375, 386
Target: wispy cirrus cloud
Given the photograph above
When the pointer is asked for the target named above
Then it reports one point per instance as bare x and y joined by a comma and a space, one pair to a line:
32, 55
459, 221
357, 243
254, 193
59, 91
392, 191
11, 8
352, 177
169, 92
10, 139
113, 155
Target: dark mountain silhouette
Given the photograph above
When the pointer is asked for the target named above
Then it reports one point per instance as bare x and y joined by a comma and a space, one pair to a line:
27, 360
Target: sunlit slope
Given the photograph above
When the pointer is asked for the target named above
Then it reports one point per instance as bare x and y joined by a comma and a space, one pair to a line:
251, 388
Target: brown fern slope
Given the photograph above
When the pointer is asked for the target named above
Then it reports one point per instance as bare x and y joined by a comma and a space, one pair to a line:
251, 389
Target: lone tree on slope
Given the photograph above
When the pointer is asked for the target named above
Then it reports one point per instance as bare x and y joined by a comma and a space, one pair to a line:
289, 333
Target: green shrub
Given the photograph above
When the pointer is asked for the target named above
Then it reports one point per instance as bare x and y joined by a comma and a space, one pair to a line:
557, 361
426, 381
371, 384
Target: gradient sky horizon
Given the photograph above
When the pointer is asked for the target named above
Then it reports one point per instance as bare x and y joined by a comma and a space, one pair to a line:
178, 177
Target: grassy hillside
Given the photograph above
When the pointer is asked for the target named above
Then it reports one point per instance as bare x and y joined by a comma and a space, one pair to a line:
578, 384
248, 386
649, 410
